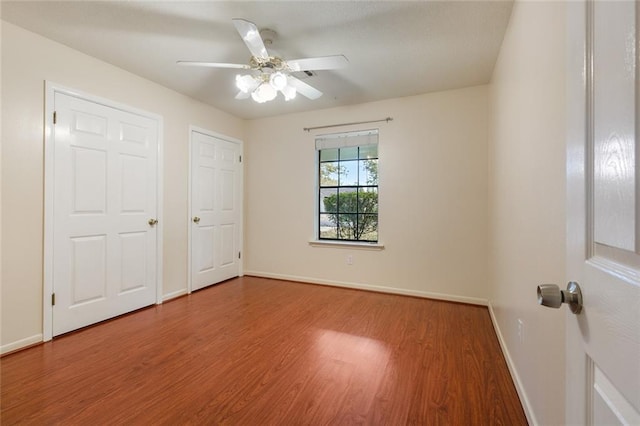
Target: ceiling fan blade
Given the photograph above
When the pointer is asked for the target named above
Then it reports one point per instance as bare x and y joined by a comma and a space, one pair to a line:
304, 89
251, 37
243, 95
319, 63
213, 65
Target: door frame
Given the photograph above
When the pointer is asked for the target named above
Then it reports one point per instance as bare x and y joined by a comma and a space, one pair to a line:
49, 214
240, 194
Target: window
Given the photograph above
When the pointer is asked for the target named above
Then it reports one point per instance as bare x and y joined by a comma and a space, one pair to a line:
348, 186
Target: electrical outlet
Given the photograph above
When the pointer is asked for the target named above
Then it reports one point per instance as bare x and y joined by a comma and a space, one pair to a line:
349, 260
520, 330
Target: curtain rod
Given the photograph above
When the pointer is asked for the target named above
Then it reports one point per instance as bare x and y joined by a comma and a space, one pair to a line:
307, 129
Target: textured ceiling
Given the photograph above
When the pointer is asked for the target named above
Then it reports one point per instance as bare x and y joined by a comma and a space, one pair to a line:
395, 48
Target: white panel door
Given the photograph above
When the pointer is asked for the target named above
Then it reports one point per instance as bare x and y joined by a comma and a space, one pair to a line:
215, 210
603, 342
104, 192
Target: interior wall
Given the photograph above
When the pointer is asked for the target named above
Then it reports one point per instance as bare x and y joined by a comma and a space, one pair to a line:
27, 61
432, 202
441, 207
527, 201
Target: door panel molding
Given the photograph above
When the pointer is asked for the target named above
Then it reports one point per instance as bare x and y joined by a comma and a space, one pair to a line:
132, 136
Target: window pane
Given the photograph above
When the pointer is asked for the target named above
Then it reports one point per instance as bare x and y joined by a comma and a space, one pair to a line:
368, 151
368, 200
328, 226
329, 173
348, 173
368, 172
328, 200
368, 227
348, 200
330, 154
350, 153
347, 226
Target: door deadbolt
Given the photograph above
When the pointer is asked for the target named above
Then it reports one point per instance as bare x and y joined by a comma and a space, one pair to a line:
196, 219
551, 296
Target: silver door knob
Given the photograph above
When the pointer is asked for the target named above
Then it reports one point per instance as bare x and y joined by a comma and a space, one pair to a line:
550, 295
196, 219
153, 222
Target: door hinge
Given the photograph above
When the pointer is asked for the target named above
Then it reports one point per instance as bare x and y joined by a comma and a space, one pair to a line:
240, 158
239, 255
55, 117
53, 299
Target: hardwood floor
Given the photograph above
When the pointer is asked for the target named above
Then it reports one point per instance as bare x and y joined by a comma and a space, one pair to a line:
254, 351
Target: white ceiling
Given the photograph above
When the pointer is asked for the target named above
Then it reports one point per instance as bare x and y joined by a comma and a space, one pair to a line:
395, 48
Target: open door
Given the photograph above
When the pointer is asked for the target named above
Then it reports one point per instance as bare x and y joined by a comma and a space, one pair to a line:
603, 341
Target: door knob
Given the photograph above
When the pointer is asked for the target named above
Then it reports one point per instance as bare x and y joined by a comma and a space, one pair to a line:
550, 295
153, 222
196, 219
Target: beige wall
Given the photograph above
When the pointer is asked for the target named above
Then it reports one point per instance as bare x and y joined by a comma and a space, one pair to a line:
27, 61
454, 225
433, 197
527, 200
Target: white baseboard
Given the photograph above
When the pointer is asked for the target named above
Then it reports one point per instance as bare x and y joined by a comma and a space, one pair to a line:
22, 343
174, 294
526, 404
378, 289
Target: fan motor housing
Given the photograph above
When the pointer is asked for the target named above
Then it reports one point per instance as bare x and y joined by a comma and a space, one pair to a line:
267, 65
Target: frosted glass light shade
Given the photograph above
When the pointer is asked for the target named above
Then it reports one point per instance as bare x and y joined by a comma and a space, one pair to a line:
289, 92
278, 80
264, 87
265, 92
245, 83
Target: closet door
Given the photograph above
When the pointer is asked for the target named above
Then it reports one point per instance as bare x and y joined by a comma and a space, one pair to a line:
105, 208
215, 210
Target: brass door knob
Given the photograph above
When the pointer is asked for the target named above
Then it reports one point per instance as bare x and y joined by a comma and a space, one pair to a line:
196, 219
153, 222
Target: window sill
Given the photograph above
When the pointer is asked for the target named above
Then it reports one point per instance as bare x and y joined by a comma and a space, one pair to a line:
347, 244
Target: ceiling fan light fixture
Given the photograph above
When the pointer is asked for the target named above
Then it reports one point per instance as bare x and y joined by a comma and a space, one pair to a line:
271, 73
245, 83
289, 92
264, 93
278, 80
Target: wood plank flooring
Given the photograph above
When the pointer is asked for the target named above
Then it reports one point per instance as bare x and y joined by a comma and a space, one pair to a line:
254, 351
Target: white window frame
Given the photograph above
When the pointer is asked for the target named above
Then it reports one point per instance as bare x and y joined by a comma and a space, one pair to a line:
342, 140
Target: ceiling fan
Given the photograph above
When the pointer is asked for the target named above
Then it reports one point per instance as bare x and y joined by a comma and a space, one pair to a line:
271, 74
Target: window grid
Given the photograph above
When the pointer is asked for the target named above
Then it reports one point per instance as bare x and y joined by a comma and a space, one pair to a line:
355, 217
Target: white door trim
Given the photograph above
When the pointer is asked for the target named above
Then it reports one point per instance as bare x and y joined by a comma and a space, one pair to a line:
240, 144
50, 90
